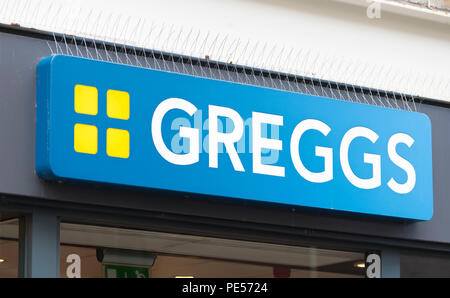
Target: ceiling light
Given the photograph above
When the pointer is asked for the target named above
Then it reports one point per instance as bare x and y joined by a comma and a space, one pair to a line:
360, 265
184, 277
2, 260
125, 256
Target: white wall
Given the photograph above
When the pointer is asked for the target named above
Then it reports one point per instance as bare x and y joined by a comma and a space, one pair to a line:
326, 39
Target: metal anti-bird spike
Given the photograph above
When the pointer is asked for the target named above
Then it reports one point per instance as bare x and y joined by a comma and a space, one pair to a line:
145, 43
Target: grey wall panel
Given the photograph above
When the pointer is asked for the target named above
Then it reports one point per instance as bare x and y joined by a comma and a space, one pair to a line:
18, 59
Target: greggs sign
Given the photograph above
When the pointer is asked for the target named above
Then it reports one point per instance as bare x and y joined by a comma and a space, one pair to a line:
116, 124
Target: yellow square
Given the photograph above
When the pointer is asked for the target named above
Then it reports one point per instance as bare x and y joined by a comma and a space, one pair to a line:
86, 100
118, 104
118, 143
85, 138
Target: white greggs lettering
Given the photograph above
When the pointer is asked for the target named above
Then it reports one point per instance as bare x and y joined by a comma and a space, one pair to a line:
259, 142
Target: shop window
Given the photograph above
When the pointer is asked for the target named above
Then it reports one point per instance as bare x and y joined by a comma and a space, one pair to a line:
424, 265
94, 251
9, 246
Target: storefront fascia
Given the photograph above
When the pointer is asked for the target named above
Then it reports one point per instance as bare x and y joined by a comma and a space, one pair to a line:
43, 205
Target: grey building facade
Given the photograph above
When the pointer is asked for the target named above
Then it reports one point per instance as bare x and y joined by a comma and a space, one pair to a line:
43, 209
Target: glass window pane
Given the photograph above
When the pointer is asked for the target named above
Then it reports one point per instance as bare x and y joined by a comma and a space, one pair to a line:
128, 253
9, 247
424, 265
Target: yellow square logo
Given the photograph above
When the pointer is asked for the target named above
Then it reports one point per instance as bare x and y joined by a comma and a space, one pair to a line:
118, 104
85, 138
118, 143
117, 107
86, 100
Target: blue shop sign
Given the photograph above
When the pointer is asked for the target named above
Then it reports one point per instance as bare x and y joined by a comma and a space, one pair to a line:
116, 124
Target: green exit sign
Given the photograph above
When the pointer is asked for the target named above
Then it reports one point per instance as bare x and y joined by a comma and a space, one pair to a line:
115, 271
